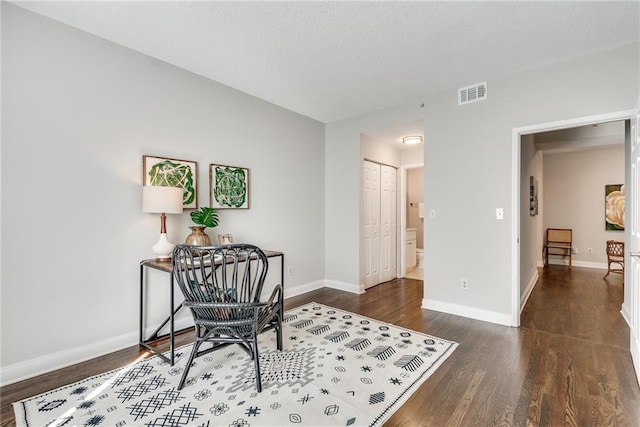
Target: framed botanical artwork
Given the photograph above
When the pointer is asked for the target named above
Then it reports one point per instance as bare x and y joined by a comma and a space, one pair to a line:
614, 206
228, 187
163, 171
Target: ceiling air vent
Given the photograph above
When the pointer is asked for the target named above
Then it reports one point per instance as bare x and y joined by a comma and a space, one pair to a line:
473, 93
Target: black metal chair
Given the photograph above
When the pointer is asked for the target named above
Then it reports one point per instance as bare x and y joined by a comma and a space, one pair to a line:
222, 286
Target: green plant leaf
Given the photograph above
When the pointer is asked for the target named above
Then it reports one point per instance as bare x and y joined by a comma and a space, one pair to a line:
205, 216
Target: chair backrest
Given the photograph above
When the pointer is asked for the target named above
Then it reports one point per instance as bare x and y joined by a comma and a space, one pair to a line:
615, 248
559, 235
225, 274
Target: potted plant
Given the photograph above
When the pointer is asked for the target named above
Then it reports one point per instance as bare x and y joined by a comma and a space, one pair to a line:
203, 217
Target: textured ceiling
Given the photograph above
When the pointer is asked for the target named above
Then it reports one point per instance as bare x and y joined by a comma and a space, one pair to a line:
333, 60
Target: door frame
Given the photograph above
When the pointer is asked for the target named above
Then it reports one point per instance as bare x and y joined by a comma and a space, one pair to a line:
401, 261
515, 190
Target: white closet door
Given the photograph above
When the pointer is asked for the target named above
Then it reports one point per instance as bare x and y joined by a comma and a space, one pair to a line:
387, 223
371, 223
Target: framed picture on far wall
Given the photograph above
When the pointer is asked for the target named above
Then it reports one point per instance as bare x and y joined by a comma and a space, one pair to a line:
228, 187
163, 171
533, 196
614, 207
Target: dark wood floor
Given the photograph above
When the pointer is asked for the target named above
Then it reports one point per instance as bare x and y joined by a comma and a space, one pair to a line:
567, 365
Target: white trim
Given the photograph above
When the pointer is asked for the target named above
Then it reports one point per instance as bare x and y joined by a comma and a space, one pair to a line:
54, 361
626, 315
343, 286
574, 263
303, 289
635, 356
51, 362
515, 189
469, 312
515, 228
527, 292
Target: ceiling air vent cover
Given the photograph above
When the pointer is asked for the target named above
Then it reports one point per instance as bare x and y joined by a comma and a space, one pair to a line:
473, 93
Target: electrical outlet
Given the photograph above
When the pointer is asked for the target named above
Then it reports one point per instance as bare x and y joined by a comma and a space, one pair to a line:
590, 250
575, 251
290, 270
464, 284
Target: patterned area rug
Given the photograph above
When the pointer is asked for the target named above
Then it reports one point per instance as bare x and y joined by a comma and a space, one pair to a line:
337, 369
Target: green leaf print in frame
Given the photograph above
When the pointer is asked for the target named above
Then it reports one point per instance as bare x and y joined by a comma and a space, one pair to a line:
228, 187
162, 171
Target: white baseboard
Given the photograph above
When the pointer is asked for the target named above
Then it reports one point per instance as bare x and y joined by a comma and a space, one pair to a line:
634, 343
635, 356
303, 289
470, 312
626, 315
51, 362
527, 292
576, 263
312, 286
343, 286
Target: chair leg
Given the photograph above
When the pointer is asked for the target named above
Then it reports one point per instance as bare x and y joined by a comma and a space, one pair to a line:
256, 361
279, 336
194, 352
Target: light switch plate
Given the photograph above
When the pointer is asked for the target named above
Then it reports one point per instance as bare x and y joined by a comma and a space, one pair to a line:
432, 214
499, 213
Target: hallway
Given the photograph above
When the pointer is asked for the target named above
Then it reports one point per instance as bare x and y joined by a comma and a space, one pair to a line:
578, 304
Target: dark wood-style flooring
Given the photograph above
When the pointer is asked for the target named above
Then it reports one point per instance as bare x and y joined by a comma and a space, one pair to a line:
567, 365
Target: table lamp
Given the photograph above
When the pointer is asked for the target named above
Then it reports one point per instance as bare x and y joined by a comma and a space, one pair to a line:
162, 200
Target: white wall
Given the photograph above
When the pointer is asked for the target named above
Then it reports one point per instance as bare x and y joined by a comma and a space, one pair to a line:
574, 198
342, 191
530, 226
78, 113
468, 174
378, 151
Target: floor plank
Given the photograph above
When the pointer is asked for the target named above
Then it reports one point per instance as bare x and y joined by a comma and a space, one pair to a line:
568, 363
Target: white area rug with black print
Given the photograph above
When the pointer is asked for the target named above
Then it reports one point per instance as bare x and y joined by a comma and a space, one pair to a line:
336, 369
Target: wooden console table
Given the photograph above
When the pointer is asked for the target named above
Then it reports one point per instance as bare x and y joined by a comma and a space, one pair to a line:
173, 309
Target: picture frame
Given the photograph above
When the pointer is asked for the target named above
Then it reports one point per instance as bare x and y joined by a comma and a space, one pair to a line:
225, 239
614, 207
171, 172
228, 187
533, 196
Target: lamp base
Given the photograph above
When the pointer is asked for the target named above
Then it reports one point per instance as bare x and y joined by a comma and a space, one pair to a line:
163, 248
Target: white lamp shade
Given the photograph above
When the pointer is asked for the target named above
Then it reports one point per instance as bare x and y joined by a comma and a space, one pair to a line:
160, 199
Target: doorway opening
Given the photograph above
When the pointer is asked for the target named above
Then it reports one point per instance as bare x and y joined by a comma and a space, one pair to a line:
385, 147
520, 188
412, 261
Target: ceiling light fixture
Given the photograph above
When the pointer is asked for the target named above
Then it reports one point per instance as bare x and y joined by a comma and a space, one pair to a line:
414, 139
